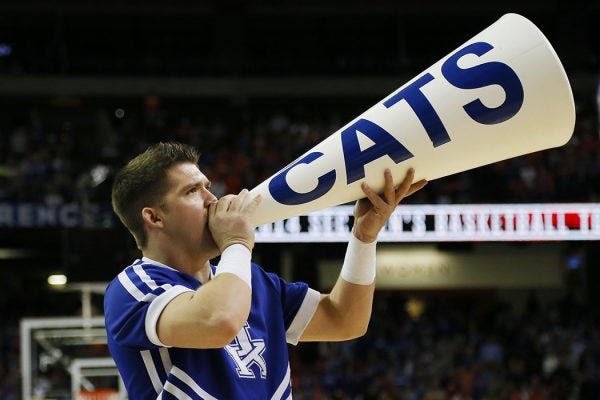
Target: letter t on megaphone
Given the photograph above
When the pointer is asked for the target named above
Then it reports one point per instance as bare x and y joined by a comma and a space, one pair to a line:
502, 94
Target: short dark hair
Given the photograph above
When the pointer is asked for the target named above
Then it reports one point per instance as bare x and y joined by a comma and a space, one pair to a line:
143, 182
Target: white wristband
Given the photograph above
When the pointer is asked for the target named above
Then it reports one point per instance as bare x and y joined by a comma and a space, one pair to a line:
359, 262
235, 259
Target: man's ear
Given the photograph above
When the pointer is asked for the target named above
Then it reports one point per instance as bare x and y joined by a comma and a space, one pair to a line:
152, 218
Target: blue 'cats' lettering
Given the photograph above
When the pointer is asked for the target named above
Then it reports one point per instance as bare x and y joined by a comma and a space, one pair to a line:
385, 145
423, 109
486, 74
284, 194
355, 159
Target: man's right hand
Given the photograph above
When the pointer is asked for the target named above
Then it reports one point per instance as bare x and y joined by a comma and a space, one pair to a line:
228, 220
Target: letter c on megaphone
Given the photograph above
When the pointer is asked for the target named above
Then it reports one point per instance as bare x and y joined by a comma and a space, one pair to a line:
502, 94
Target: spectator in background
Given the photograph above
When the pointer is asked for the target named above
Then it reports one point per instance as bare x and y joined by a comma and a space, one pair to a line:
242, 148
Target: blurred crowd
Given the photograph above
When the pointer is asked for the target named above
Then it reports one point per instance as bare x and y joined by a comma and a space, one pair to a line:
450, 350
427, 348
64, 152
58, 154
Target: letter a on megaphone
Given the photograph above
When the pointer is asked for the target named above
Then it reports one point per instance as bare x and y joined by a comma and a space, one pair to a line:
502, 94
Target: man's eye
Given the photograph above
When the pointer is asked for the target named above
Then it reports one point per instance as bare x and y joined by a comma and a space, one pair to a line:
193, 190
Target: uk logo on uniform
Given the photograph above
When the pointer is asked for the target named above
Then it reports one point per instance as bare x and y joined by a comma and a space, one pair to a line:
247, 352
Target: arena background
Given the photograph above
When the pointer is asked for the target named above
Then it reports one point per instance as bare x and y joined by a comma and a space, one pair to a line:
84, 85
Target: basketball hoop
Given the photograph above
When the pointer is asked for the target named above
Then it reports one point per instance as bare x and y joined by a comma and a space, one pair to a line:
98, 394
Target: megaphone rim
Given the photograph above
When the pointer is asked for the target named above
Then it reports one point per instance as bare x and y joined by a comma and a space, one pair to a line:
559, 64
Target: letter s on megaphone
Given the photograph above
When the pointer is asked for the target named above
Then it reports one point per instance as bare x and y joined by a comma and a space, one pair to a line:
504, 93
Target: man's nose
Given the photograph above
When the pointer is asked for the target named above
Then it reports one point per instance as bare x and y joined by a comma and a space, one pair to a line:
209, 198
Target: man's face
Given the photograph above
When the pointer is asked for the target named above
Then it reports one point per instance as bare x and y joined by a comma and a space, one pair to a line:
185, 210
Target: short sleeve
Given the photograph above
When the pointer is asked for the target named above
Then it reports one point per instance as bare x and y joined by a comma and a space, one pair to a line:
303, 316
134, 301
299, 303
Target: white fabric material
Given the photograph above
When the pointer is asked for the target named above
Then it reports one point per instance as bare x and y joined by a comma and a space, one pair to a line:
359, 263
236, 260
154, 262
175, 391
185, 378
303, 316
285, 383
156, 308
132, 289
166, 359
151, 369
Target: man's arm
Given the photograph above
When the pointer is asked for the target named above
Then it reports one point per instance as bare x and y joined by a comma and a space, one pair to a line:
213, 315
345, 312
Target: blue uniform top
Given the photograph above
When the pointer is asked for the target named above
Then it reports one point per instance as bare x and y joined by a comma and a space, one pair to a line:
254, 365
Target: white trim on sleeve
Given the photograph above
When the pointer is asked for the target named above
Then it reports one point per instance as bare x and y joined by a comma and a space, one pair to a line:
303, 316
156, 307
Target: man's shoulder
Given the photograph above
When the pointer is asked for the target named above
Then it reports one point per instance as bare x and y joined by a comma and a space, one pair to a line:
262, 274
147, 276
270, 280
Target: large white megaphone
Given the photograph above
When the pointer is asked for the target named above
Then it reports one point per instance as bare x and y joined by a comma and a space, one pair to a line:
502, 94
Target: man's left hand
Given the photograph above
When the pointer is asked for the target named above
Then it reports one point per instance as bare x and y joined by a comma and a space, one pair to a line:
372, 212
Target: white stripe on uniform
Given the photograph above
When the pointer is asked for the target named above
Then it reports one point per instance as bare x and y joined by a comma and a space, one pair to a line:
166, 359
285, 383
130, 287
151, 369
139, 270
175, 391
182, 376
